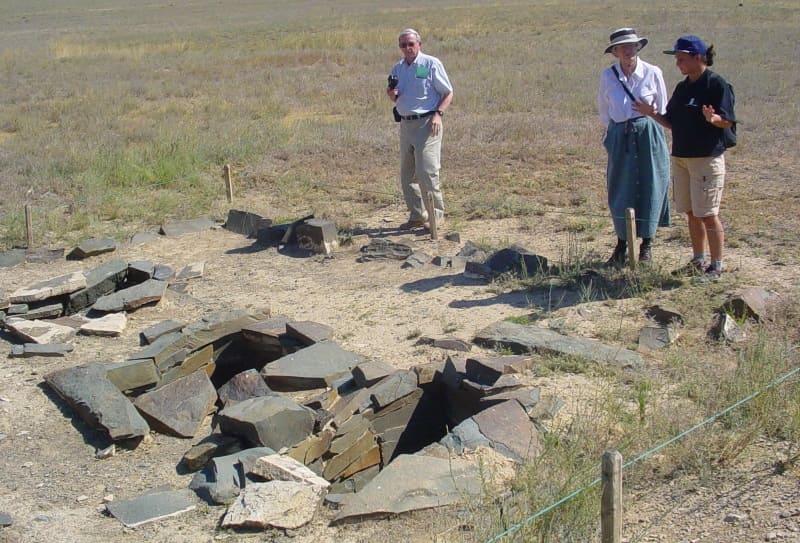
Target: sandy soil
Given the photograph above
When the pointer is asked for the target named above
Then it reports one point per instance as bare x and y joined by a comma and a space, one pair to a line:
53, 486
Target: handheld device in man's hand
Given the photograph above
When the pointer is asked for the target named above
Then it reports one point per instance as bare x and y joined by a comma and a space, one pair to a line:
393, 81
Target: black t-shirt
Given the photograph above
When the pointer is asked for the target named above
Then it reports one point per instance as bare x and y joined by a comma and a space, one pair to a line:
692, 135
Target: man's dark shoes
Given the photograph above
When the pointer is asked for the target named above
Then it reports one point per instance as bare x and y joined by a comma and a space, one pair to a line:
711, 275
410, 225
693, 268
618, 256
645, 253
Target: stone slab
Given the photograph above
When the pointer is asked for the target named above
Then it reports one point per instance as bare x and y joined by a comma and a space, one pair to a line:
210, 447
652, 338
44, 255
245, 222
750, 303
220, 324
204, 358
510, 430
312, 448
315, 366
415, 260
242, 386
411, 483
132, 298
110, 325
524, 338
5, 519
179, 228
276, 467
142, 238
92, 247
364, 450
179, 408
152, 507
393, 387
140, 271
664, 315
318, 235
132, 374
9, 259
272, 421
193, 270
50, 288
279, 504
97, 401
152, 333
222, 479
309, 332
47, 311
487, 369
37, 331
371, 372
102, 280
162, 272
165, 351
27, 350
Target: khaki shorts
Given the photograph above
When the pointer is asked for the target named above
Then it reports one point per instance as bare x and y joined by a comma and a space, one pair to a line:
697, 184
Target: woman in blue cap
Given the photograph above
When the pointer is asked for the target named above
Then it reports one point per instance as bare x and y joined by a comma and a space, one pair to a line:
637, 175
700, 114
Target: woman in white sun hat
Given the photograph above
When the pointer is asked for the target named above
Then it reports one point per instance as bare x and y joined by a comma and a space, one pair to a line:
638, 173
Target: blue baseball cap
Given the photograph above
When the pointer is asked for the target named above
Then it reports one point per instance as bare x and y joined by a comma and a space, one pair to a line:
688, 44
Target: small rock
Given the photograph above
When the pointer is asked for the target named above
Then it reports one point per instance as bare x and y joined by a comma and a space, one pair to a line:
5, 519
733, 518
82, 498
108, 498
108, 452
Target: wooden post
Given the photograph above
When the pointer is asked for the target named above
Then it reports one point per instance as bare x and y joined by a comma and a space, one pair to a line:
228, 183
432, 217
611, 502
28, 226
630, 230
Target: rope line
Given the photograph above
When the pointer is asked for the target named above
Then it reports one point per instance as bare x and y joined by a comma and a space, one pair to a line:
514, 527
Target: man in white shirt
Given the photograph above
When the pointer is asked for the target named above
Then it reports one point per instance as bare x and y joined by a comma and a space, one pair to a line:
421, 96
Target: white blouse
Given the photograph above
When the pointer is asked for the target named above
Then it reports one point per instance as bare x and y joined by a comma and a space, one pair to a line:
646, 82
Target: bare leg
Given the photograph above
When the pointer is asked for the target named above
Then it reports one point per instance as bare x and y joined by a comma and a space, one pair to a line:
716, 236
697, 233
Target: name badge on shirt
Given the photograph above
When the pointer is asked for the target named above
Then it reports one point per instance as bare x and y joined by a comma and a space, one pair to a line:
423, 72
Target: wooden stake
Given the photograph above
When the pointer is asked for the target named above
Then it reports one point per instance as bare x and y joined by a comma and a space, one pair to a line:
228, 182
630, 230
28, 226
611, 501
432, 217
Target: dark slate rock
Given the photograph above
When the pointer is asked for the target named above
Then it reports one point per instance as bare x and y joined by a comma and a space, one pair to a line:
456, 263
477, 270
38, 331
517, 260
221, 324
528, 398
370, 372
524, 339
224, 476
750, 303
486, 370
11, 258
652, 338
244, 385
102, 280
313, 367
47, 311
142, 238
472, 252
725, 328
132, 374
478, 391
546, 409
664, 315
152, 333
382, 249
510, 431
210, 447
131, 298
50, 288
455, 237
162, 272
272, 421
266, 334
166, 351
44, 255
178, 228
309, 332
194, 270
140, 271
5, 519
393, 387
17, 309
92, 247
318, 235
417, 259
97, 401
452, 344
179, 407
246, 223
152, 507
28, 350
202, 359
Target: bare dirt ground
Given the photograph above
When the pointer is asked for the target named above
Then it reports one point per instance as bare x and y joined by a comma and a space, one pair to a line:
53, 486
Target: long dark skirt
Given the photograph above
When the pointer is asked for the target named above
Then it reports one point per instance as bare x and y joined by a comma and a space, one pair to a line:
638, 175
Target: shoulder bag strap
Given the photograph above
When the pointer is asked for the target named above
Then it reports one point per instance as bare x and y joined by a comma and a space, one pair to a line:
624, 86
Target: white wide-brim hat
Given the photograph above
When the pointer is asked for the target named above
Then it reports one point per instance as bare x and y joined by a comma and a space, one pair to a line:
622, 36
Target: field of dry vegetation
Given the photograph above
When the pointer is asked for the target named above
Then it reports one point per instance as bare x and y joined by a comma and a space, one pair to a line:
118, 115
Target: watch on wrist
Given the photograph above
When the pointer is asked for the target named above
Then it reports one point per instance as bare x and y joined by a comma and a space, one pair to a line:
440, 113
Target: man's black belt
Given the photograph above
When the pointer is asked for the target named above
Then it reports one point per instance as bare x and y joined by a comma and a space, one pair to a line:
417, 116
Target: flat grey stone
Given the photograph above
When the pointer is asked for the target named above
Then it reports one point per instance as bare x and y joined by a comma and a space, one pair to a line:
452, 344
546, 409
381, 249
245, 223
152, 507
653, 338
140, 271
45, 255
11, 258
102, 280
412, 482
510, 431
166, 351
487, 370
417, 259
193, 270
277, 467
132, 297
456, 263
63, 284
272, 421
4, 302
220, 324
664, 315
313, 367
465, 436
37, 331
516, 260
72, 321
132, 374
48, 311
242, 386
5, 519
111, 325
528, 398
725, 328
210, 447
455, 237
504, 383
266, 334
750, 303
178, 408
370, 372
162, 272
318, 235
201, 360
97, 401
477, 270
524, 338
178, 228
142, 238
393, 387
28, 350
17, 309
278, 504
309, 332
152, 333
92, 247
223, 477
